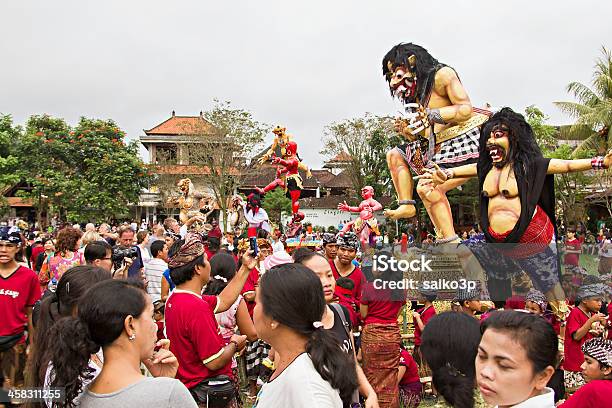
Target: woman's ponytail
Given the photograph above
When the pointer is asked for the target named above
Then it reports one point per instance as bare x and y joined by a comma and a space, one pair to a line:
456, 388
69, 356
335, 366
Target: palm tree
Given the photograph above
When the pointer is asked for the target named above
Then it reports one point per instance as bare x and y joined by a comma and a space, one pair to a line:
593, 111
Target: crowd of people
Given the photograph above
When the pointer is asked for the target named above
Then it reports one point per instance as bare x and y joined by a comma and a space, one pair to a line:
167, 316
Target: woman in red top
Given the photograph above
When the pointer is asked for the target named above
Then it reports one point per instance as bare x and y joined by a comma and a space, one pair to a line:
409, 383
381, 336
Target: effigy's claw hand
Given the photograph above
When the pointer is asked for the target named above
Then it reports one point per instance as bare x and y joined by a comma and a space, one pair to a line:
439, 175
412, 116
415, 124
417, 130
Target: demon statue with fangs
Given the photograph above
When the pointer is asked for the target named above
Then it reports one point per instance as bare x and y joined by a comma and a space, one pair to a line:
366, 224
517, 200
440, 128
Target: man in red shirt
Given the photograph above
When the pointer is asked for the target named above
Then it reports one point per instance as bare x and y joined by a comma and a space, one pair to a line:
19, 290
343, 265
194, 334
573, 248
330, 246
421, 317
578, 330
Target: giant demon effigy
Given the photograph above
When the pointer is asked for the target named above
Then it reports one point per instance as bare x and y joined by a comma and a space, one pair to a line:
440, 127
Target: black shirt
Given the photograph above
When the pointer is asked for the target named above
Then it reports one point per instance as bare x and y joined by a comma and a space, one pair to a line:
340, 332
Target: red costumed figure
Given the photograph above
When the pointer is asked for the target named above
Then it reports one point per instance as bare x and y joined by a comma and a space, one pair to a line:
365, 225
288, 177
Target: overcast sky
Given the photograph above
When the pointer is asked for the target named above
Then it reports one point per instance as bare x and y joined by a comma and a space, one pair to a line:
300, 64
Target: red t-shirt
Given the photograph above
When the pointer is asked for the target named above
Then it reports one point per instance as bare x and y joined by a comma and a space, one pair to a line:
249, 287
195, 337
381, 307
412, 370
572, 259
572, 354
37, 250
356, 276
426, 314
594, 394
17, 292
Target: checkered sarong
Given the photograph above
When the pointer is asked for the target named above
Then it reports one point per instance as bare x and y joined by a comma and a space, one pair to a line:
457, 151
257, 351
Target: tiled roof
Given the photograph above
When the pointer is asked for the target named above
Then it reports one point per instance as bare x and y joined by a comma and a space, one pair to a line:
323, 176
185, 169
179, 125
20, 202
341, 180
332, 201
262, 175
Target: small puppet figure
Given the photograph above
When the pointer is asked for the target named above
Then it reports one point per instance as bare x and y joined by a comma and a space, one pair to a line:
256, 216
365, 225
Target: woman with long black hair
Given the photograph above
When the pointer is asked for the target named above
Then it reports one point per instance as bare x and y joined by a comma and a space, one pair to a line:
117, 316
71, 288
310, 369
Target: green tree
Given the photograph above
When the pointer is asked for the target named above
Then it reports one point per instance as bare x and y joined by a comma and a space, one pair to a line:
85, 173
275, 203
570, 187
223, 144
8, 161
366, 140
593, 109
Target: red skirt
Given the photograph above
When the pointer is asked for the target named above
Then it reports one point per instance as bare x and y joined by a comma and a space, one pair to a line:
536, 238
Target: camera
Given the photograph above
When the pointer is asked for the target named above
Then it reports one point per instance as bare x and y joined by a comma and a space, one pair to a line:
120, 253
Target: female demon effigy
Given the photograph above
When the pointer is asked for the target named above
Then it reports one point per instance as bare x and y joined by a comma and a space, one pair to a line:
517, 200
440, 126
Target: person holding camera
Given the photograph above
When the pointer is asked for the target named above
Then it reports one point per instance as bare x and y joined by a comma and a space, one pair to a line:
100, 253
125, 253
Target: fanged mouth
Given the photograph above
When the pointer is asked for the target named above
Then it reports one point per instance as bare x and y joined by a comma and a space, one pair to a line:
403, 91
496, 152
